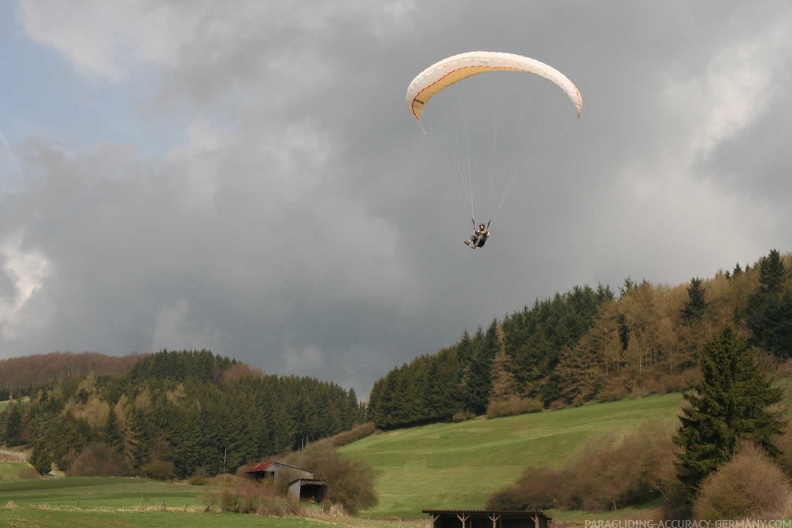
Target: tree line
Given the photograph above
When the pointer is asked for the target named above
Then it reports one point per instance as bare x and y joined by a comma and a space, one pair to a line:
591, 344
191, 410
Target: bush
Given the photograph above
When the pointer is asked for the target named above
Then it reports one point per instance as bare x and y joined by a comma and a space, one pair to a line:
41, 458
243, 495
158, 470
98, 460
538, 488
28, 473
750, 486
513, 406
461, 416
353, 435
609, 472
199, 478
349, 482
784, 444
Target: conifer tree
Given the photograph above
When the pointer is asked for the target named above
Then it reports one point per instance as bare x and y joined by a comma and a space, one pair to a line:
693, 309
732, 402
770, 308
13, 426
479, 382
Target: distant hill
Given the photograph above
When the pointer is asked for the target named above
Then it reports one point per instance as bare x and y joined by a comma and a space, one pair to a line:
172, 414
22, 373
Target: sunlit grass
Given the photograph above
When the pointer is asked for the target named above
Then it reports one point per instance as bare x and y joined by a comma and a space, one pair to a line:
24, 517
10, 471
460, 465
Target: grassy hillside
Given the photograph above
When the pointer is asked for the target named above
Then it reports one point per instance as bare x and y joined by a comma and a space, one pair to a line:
461, 464
90, 492
49, 518
134, 503
10, 471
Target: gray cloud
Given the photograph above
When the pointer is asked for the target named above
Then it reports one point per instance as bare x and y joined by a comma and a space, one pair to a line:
303, 223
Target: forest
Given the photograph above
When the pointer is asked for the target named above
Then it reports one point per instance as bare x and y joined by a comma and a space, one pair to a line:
591, 345
176, 414
181, 413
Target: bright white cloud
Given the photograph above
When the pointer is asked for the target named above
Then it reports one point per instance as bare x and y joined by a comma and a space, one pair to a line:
27, 271
738, 85
678, 195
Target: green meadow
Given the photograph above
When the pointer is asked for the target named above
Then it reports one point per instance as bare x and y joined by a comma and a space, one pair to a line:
59, 518
102, 492
452, 465
460, 465
10, 471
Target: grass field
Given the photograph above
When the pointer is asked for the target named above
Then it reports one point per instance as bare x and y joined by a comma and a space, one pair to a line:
438, 466
59, 518
10, 471
459, 465
98, 492
4, 404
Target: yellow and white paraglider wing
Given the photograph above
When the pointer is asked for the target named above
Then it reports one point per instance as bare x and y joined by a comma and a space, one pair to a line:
458, 67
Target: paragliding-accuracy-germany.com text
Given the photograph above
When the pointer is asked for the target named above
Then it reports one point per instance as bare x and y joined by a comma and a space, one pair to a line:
686, 523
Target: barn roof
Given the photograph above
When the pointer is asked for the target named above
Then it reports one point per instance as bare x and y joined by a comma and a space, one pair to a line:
265, 466
261, 466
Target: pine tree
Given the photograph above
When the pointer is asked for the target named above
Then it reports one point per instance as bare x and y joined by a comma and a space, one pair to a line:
693, 309
479, 381
112, 432
730, 403
770, 308
13, 428
772, 273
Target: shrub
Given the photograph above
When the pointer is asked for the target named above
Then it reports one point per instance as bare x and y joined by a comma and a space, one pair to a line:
98, 460
349, 482
513, 406
41, 458
353, 435
749, 486
243, 495
784, 444
158, 470
622, 469
461, 416
199, 478
538, 488
28, 473
609, 472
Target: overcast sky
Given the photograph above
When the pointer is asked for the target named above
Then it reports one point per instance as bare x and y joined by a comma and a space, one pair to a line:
245, 176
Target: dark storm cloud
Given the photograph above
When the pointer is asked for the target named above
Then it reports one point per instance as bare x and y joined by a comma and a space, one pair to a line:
303, 223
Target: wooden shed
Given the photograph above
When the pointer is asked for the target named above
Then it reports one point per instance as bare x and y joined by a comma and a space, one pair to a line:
299, 482
282, 474
488, 519
308, 490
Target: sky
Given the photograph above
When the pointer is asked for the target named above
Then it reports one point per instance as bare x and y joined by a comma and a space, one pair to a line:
245, 176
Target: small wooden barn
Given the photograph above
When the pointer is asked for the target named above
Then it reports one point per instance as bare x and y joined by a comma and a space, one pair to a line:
299, 482
308, 490
488, 519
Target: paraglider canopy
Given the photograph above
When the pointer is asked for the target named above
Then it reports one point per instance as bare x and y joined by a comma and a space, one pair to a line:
453, 69
491, 132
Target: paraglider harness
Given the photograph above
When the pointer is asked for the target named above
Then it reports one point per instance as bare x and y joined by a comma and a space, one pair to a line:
480, 236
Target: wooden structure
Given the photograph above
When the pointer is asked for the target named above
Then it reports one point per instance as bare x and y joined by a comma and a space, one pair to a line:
488, 519
298, 482
307, 490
